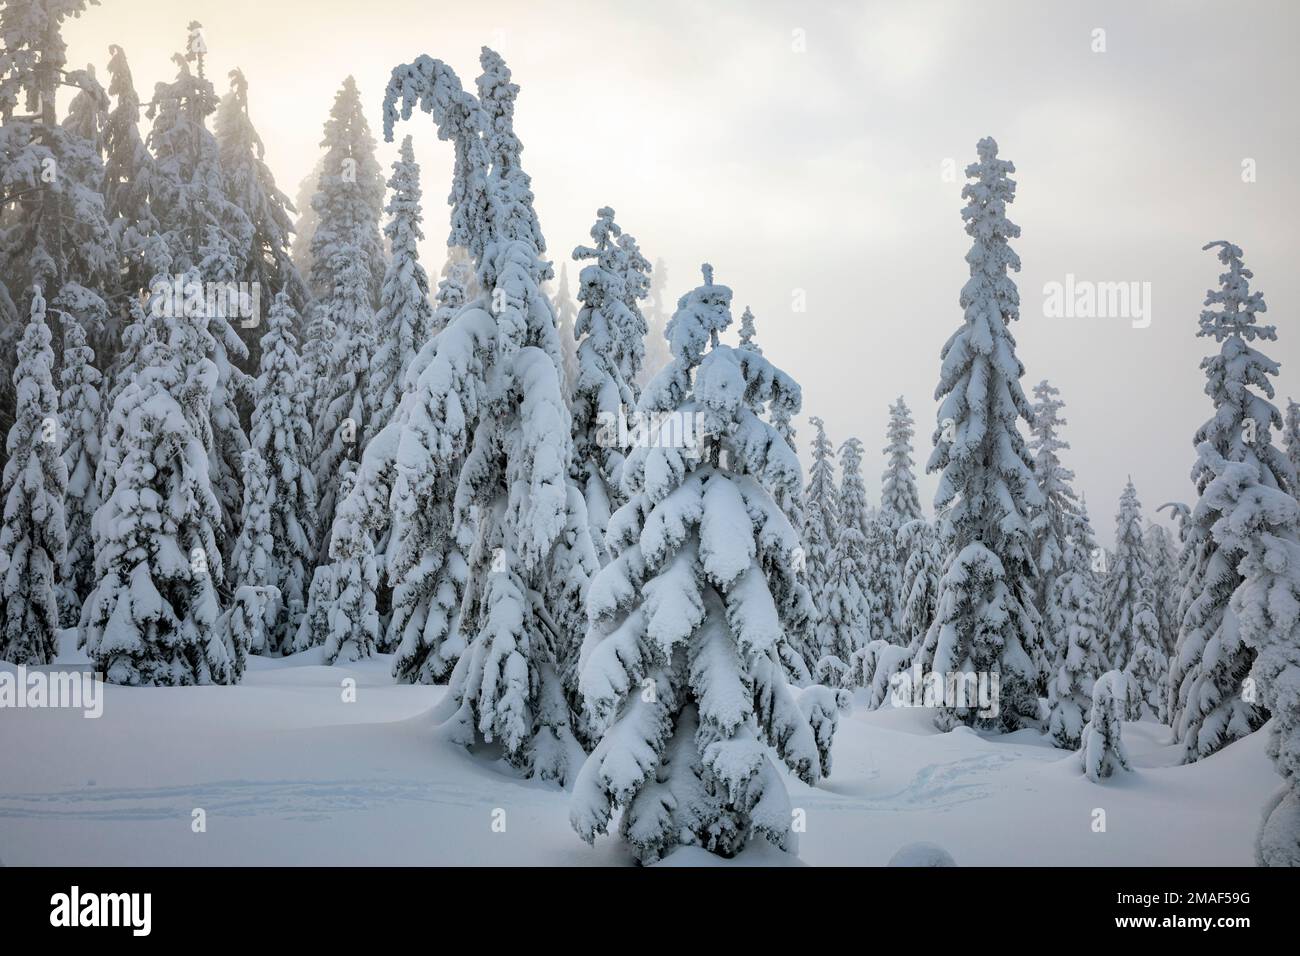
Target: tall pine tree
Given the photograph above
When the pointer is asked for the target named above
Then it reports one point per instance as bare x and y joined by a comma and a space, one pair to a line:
1208, 709
33, 537
985, 619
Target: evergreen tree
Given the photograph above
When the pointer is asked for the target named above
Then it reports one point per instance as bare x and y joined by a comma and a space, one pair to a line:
153, 616
57, 232
188, 194
405, 318
455, 288
1291, 435
881, 578
1162, 558
899, 504
342, 410
250, 185
791, 503
844, 622
279, 516
1262, 523
1102, 750
348, 201
1148, 667
304, 230
819, 532
223, 345
1208, 710
985, 619
899, 500
603, 396
347, 273
33, 537
1127, 586
80, 411
680, 671
487, 417
567, 314
919, 591
341, 610
1050, 522
128, 184
1076, 621
747, 332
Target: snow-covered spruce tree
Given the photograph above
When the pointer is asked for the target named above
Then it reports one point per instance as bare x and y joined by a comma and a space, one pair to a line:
487, 417
1148, 666
899, 504
341, 398
1051, 521
790, 503
304, 228
680, 669
56, 232
602, 397
341, 611
278, 520
428, 558
843, 605
405, 318
1208, 710
1126, 586
153, 616
1291, 436
1162, 557
636, 289
224, 346
250, 185
1262, 523
567, 314
882, 577
188, 194
455, 287
79, 411
128, 182
347, 274
820, 530
898, 497
1101, 750
985, 619
748, 333
919, 543
33, 537
1076, 621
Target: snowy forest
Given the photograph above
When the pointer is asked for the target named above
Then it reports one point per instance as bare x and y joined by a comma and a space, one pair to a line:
564, 521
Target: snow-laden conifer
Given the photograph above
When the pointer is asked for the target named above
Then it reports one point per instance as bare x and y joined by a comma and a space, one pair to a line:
33, 536
680, 666
1208, 710
985, 619
1101, 752
404, 321
79, 415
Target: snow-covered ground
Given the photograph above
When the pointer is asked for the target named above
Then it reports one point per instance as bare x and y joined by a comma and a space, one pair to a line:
287, 772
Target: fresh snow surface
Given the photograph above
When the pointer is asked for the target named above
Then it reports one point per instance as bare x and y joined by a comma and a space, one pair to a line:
288, 773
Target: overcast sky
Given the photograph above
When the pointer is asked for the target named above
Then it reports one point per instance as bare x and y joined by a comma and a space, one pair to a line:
805, 149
